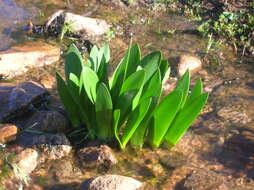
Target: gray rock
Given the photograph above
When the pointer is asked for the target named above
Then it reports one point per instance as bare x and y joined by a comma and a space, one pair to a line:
51, 146
111, 182
81, 24
26, 160
48, 121
17, 99
53, 152
92, 157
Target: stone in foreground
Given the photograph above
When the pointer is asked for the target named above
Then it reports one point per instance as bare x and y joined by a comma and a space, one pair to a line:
18, 59
111, 182
27, 160
93, 156
8, 133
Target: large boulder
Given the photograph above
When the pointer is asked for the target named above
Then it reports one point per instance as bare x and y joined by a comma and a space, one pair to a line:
18, 59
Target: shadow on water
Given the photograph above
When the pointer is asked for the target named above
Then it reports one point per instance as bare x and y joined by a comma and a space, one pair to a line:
238, 152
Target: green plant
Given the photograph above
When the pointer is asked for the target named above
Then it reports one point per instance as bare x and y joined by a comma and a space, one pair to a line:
66, 29
129, 106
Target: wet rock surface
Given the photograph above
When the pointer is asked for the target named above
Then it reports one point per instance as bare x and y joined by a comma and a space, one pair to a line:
26, 160
50, 146
206, 180
111, 182
20, 98
18, 59
97, 156
49, 121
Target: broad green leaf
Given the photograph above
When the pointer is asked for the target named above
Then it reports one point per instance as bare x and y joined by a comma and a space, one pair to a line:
106, 52
103, 107
196, 91
103, 71
90, 81
138, 137
134, 120
73, 62
134, 60
116, 117
93, 58
129, 92
151, 63
118, 77
153, 87
125, 104
74, 87
165, 71
68, 101
183, 85
163, 116
184, 119
133, 82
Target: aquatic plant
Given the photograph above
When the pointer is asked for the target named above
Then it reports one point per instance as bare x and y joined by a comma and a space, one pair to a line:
129, 106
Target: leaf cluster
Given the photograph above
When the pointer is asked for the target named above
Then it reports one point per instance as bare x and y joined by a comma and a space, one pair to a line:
128, 107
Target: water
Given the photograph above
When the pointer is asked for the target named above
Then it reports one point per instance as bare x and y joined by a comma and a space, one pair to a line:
217, 135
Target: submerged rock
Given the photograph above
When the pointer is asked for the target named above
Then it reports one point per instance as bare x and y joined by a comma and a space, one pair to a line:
111, 182
51, 146
206, 180
8, 133
92, 157
17, 99
190, 62
26, 160
18, 59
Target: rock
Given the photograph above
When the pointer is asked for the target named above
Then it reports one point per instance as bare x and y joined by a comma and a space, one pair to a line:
111, 182
17, 99
80, 24
51, 146
48, 81
206, 180
90, 26
18, 59
8, 133
49, 121
53, 152
91, 157
234, 113
28, 139
190, 62
26, 160
64, 169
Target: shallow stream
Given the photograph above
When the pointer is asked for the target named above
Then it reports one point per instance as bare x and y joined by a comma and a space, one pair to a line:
222, 138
